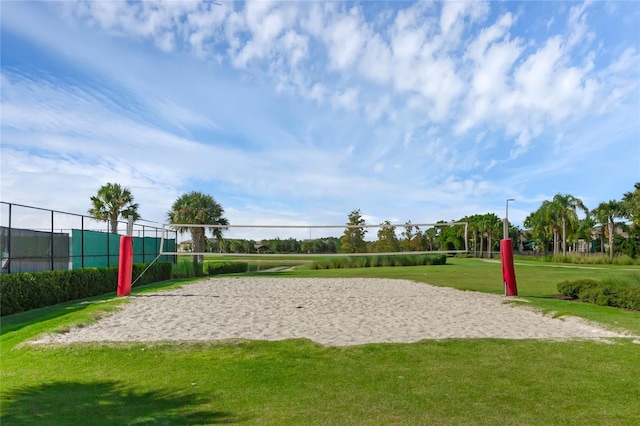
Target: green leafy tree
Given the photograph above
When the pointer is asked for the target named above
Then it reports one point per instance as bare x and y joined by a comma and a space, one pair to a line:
411, 238
196, 208
542, 231
448, 238
352, 240
387, 240
111, 202
545, 224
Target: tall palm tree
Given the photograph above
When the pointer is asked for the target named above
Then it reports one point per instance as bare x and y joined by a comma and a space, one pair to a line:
492, 224
566, 205
553, 220
481, 227
196, 208
111, 202
601, 219
609, 212
473, 228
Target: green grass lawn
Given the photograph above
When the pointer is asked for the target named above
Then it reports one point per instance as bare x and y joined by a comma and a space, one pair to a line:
455, 381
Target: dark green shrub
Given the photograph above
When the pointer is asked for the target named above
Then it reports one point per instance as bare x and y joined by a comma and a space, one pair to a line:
25, 291
572, 289
435, 259
216, 268
591, 291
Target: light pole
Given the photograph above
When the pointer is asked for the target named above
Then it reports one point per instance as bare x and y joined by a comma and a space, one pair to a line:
505, 232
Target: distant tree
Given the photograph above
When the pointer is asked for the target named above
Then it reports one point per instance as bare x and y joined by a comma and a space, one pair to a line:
430, 238
448, 238
631, 205
566, 206
610, 211
331, 244
541, 230
552, 216
111, 202
196, 208
585, 228
545, 224
602, 221
237, 246
492, 224
387, 240
411, 238
473, 229
352, 240
481, 227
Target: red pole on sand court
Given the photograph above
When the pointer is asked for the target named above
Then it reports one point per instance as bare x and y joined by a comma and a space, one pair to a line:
508, 272
125, 266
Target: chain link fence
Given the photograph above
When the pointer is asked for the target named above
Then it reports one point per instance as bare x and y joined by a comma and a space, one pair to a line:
33, 239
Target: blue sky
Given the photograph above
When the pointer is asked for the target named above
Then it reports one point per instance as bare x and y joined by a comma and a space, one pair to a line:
300, 112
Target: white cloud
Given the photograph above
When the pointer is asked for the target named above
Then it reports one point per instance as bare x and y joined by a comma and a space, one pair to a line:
345, 36
421, 93
454, 14
577, 25
347, 99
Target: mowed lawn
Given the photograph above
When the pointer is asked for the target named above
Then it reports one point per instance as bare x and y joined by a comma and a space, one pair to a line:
456, 381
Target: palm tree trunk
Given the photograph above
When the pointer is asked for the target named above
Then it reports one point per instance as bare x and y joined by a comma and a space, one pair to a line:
475, 241
564, 236
113, 222
611, 226
489, 246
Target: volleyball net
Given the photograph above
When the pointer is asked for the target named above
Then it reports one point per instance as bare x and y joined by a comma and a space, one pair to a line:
316, 240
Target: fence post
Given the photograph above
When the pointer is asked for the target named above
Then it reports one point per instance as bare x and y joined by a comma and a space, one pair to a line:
108, 248
82, 241
51, 242
9, 243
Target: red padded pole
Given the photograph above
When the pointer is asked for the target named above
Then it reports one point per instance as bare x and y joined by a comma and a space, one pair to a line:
125, 266
508, 272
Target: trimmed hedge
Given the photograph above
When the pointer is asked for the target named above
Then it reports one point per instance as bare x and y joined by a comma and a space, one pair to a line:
380, 260
216, 268
572, 289
591, 291
25, 291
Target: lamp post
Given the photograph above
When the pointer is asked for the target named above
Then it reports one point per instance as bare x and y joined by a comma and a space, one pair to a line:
505, 232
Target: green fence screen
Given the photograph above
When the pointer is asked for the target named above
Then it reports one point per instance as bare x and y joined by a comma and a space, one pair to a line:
96, 249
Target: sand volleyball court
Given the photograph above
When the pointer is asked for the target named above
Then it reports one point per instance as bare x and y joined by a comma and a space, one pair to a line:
336, 312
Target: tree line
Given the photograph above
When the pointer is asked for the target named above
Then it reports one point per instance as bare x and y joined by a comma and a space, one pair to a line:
554, 227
